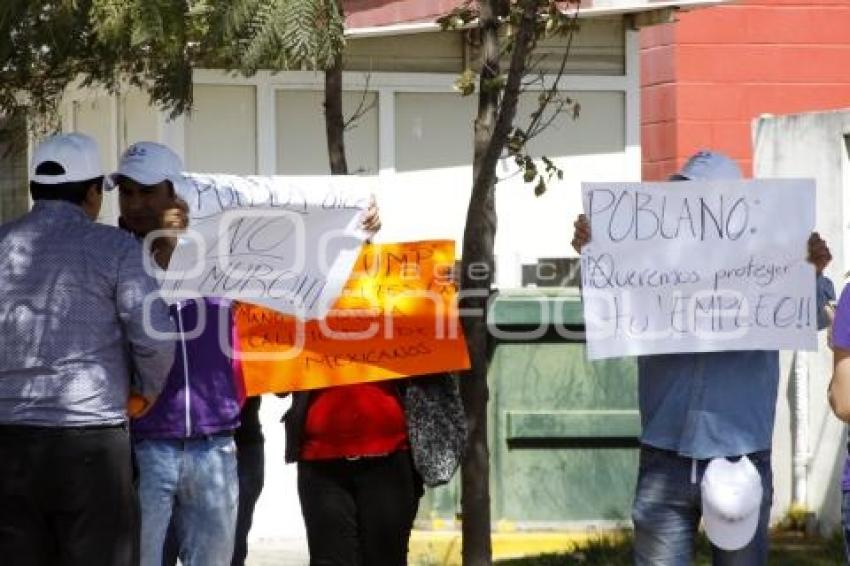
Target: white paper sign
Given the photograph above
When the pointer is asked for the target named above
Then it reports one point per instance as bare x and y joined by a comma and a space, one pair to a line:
287, 243
698, 267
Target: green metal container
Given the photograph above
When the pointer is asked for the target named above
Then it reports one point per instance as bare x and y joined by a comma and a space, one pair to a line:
563, 430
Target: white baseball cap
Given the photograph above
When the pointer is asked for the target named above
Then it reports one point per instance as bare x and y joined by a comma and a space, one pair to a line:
149, 163
707, 165
76, 155
731, 502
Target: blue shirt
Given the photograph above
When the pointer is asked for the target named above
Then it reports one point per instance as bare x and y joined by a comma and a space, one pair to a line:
72, 296
706, 405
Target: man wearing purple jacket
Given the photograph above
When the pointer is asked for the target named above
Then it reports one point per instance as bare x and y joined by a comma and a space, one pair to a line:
183, 444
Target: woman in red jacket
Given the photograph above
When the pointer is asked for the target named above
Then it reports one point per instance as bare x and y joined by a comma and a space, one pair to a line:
364, 452
357, 484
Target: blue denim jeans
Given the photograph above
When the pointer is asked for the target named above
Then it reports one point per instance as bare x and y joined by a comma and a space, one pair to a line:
668, 508
195, 481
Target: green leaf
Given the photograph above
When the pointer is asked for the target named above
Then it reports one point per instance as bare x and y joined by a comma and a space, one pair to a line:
154, 44
494, 84
530, 171
515, 144
540, 187
465, 83
457, 18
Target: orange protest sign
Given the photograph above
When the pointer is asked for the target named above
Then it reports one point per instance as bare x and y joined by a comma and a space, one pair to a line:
397, 316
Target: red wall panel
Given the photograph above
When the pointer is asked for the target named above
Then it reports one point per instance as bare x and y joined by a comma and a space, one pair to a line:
658, 103
369, 13
730, 64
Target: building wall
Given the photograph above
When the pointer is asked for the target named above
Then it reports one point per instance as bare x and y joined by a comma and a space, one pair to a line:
658, 101
598, 49
706, 77
811, 145
415, 136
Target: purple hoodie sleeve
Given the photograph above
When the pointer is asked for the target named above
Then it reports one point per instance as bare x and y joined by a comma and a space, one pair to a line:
841, 324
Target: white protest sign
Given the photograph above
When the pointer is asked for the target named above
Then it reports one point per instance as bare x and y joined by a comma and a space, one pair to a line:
698, 267
287, 243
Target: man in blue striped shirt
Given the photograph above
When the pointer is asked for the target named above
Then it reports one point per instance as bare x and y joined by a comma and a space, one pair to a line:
73, 296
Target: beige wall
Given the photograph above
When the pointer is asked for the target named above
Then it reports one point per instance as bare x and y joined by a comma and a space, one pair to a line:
221, 132
115, 122
433, 130
302, 147
419, 53
95, 116
598, 49
139, 121
428, 195
811, 145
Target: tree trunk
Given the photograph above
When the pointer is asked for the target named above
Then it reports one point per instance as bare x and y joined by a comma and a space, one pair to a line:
492, 126
478, 239
334, 123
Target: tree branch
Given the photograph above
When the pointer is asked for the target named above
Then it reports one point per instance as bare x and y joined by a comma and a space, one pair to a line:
362, 108
532, 130
507, 108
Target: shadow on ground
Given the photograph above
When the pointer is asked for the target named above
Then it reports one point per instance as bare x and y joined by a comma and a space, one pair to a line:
787, 549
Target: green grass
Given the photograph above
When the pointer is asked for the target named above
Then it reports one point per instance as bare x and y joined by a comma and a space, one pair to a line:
787, 549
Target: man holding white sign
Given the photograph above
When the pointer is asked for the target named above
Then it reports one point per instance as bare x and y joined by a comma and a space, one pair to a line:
184, 445
714, 401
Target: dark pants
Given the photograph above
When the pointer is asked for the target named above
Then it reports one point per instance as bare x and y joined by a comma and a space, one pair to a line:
251, 461
67, 497
251, 470
359, 512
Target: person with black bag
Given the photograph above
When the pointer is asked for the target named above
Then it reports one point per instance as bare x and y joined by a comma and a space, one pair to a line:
364, 452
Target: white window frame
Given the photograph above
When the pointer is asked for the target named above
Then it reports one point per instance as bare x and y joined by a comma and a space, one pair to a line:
387, 85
